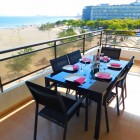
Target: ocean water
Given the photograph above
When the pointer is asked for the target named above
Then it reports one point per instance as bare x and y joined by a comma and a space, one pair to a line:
11, 22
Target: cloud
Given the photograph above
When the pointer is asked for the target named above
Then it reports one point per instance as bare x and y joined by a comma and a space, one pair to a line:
48, 7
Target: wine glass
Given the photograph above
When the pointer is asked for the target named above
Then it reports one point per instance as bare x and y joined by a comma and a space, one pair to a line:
104, 67
101, 54
84, 69
90, 77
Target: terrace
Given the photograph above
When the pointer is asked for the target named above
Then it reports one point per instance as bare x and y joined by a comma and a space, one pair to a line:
17, 103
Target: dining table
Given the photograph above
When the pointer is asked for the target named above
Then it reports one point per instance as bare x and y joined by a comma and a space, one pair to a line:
92, 85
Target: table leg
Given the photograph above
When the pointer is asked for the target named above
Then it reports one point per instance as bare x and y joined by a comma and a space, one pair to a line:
98, 119
86, 114
47, 82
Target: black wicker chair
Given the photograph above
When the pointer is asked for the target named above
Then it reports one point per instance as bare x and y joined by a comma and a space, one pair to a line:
109, 96
122, 80
57, 109
74, 57
57, 65
113, 53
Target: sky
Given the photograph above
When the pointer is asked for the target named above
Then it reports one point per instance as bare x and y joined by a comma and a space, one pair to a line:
50, 7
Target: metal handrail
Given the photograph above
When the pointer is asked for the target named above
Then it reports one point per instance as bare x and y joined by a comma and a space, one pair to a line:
83, 37
55, 45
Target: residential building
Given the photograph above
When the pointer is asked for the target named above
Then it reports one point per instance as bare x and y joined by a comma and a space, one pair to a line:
106, 11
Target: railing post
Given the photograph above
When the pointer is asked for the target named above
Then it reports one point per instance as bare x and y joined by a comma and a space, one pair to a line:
55, 51
84, 39
101, 38
106, 38
1, 87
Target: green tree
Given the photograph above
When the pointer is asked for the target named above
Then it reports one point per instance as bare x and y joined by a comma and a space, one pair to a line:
90, 24
115, 26
48, 27
20, 63
66, 33
82, 31
58, 23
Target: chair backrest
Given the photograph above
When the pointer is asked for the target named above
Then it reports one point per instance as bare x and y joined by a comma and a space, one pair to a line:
107, 96
44, 96
113, 53
59, 62
131, 62
121, 79
74, 57
113, 84
124, 73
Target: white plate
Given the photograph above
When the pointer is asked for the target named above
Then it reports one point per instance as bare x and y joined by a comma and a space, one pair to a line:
68, 67
114, 66
72, 77
96, 75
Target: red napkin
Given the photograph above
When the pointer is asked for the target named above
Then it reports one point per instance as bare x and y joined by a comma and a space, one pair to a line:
104, 75
105, 58
115, 64
80, 80
75, 67
86, 59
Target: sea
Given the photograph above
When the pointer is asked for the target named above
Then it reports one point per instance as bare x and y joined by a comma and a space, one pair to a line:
15, 21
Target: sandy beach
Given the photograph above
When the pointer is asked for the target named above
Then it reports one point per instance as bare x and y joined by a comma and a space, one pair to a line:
10, 38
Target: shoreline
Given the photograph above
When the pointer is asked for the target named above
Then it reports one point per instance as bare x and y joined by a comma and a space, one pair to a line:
20, 26
25, 21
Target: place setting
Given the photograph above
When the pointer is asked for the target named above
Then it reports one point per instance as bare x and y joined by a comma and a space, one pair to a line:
71, 68
104, 59
103, 76
75, 78
114, 66
85, 60
101, 73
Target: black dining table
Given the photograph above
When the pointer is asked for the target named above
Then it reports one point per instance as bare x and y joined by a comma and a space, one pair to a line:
92, 85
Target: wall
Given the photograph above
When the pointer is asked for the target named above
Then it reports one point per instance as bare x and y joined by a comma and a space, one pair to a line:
19, 93
128, 53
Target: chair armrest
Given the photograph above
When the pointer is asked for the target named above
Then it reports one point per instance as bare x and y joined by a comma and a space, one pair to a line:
75, 106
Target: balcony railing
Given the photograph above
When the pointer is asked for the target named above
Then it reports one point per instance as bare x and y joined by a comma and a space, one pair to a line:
123, 39
20, 62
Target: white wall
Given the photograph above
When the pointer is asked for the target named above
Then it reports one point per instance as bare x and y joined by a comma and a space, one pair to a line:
125, 53
18, 93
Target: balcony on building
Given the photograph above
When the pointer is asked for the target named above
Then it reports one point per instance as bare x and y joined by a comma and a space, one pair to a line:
17, 106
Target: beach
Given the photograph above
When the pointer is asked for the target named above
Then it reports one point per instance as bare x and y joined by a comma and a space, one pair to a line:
14, 37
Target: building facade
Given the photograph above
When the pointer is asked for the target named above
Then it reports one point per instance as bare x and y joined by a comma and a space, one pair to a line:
106, 11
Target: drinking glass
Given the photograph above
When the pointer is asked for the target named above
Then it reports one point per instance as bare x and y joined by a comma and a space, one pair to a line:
104, 67
85, 69
90, 77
